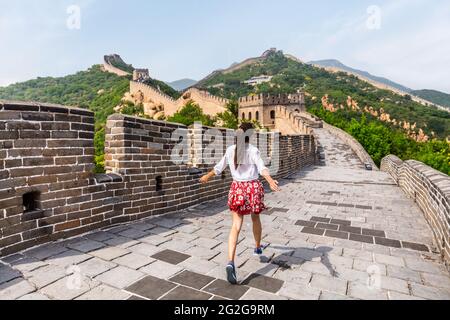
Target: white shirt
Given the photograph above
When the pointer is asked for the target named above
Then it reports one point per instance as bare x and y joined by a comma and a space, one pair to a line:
250, 169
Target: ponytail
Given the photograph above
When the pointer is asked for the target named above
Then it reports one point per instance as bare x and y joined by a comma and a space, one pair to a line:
240, 146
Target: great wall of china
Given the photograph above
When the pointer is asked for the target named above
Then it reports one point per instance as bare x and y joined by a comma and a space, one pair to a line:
48, 190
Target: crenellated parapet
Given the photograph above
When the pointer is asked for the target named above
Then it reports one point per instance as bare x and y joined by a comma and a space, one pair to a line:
272, 100
430, 189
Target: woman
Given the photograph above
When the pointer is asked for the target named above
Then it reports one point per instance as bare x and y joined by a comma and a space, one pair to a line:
246, 195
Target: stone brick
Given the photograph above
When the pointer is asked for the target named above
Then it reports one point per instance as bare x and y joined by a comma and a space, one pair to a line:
120, 277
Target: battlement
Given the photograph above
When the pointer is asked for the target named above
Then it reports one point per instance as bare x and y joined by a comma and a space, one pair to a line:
48, 190
272, 100
430, 189
150, 92
206, 95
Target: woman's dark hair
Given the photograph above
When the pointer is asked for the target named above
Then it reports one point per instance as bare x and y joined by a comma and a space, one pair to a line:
238, 154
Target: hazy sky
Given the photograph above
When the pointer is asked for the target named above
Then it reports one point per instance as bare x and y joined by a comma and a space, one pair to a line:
407, 41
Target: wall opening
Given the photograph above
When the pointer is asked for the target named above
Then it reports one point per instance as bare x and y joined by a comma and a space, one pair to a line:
30, 201
249, 116
272, 114
159, 184
243, 116
257, 115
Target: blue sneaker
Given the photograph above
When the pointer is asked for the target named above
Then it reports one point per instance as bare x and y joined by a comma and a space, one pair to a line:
231, 273
258, 251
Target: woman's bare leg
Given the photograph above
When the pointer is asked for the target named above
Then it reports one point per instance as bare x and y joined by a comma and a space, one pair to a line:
234, 235
257, 229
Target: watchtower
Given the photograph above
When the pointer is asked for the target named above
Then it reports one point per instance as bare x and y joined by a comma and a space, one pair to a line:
263, 107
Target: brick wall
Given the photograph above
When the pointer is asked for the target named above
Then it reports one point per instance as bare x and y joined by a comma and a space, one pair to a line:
47, 154
431, 191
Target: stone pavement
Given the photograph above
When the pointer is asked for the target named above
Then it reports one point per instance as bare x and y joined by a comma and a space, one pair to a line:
334, 232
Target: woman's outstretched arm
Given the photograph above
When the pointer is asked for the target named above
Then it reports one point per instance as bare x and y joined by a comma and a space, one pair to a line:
218, 169
264, 171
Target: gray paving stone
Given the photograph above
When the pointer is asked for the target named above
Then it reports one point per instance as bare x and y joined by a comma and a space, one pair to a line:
85, 245
145, 249
133, 233
198, 265
187, 228
27, 264
308, 255
95, 266
404, 274
264, 283
394, 284
202, 253
15, 289
328, 283
109, 253
69, 288
120, 277
333, 296
47, 275
155, 239
299, 292
8, 274
400, 296
45, 251
162, 232
121, 242
99, 236
104, 292
363, 265
177, 245
34, 297
134, 260
161, 269
293, 276
430, 293
436, 280
68, 258
167, 223
206, 243
364, 292
259, 295
419, 264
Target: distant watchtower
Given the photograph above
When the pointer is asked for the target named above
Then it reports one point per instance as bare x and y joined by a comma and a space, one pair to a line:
263, 107
140, 75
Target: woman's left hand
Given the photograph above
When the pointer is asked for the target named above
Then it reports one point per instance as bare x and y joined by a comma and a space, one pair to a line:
274, 185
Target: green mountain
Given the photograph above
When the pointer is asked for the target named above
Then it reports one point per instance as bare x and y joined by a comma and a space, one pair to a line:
434, 96
380, 138
182, 84
339, 65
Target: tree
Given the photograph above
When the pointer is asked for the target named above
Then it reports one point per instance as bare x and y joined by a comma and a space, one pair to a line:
230, 118
191, 113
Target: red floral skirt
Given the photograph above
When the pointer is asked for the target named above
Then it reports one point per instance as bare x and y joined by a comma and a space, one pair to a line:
246, 197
